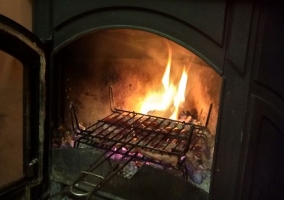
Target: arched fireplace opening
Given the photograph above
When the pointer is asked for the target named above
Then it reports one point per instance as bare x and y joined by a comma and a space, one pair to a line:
149, 76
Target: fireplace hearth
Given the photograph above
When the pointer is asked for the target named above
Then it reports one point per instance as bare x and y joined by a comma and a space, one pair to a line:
220, 136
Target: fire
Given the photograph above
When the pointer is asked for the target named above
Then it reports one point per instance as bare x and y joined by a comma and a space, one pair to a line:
180, 97
170, 98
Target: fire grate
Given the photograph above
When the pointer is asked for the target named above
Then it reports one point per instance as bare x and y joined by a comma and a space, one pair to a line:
126, 138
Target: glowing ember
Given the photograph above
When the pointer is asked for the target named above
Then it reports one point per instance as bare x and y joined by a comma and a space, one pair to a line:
170, 98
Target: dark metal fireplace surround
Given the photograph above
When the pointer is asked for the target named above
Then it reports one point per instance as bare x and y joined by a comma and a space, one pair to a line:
241, 40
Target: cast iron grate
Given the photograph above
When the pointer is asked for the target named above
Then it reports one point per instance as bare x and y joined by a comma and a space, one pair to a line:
131, 137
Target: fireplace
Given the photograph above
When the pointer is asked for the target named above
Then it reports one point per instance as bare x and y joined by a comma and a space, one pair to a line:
104, 59
163, 103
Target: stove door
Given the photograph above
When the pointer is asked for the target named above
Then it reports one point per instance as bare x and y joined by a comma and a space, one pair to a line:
22, 110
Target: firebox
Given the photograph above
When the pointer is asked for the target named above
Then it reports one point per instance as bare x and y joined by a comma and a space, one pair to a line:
144, 100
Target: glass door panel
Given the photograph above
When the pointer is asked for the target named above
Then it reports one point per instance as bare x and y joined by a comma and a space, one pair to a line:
11, 119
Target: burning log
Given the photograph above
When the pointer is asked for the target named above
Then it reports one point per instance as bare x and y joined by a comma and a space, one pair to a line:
173, 160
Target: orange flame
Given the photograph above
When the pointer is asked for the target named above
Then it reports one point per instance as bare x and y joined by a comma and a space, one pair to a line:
180, 97
158, 101
170, 98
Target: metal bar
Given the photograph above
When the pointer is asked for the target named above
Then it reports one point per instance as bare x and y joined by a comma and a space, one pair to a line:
208, 115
